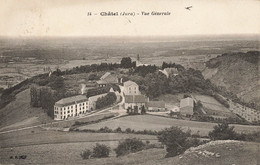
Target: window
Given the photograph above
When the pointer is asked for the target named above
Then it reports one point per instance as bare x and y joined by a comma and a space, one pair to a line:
72, 106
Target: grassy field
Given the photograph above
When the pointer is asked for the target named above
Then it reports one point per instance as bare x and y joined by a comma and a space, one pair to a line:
149, 122
41, 136
239, 153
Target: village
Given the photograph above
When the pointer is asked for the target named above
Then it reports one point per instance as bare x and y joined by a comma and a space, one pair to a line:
131, 101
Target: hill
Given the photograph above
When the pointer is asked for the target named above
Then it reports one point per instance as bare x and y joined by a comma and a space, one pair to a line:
238, 73
230, 152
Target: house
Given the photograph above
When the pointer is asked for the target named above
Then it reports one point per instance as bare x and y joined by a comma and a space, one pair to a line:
131, 88
107, 78
71, 106
132, 101
186, 106
156, 106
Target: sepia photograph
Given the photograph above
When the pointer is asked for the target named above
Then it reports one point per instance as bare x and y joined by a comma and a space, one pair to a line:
116, 82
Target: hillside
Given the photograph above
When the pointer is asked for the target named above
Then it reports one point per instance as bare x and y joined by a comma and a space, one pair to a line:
238, 73
229, 152
20, 113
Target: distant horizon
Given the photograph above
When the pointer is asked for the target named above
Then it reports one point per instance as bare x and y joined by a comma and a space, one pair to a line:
240, 36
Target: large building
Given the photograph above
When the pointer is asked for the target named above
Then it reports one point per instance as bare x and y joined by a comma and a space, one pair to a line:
107, 78
131, 88
186, 106
132, 101
70, 107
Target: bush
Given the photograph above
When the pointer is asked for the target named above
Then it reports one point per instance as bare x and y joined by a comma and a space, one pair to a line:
222, 132
118, 129
129, 146
100, 151
174, 139
128, 130
105, 130
86, 154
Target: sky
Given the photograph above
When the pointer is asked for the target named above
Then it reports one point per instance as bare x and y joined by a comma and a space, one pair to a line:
21, 18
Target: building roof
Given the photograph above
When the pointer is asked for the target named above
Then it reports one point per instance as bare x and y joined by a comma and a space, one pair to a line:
157, 104
108, 78
135, 99
187, 102
71, 100
128, 83
105, 75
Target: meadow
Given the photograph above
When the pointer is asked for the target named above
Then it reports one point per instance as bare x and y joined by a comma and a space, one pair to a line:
157, 123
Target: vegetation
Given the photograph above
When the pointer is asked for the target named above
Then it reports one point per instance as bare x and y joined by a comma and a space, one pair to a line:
100, 151
129, 146
86, 154
224, 131
107, 100
176, 141
126, 62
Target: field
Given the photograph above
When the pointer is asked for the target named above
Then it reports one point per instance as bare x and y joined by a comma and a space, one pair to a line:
213, 107
239, 153
149, 122
41, 136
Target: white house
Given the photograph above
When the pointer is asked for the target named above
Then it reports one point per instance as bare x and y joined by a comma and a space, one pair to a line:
131, 88
71, 106
186, 106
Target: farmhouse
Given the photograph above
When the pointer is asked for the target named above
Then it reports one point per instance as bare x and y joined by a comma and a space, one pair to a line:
132, 101
186, 106
156, 106
71, 106
107, 78
131, 88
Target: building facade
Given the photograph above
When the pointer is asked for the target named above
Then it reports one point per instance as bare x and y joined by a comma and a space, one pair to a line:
131, 88
156, 106
132, 101
247, 113
71, 107
186, 106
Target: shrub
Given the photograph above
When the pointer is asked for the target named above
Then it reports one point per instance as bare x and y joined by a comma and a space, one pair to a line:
222, 132
129, 146
118, 129
100, 151
105, 130
128, 130
174, 139
86, 154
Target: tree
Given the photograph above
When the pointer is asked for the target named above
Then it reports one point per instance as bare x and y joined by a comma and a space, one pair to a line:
100, 151
174, 139
222, 132
126, 62
143, 111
